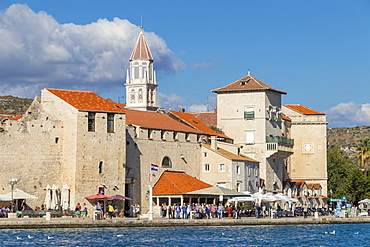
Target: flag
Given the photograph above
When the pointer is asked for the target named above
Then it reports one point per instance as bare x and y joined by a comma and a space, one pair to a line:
153, 167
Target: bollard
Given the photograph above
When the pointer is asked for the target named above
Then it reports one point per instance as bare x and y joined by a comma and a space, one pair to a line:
316, 215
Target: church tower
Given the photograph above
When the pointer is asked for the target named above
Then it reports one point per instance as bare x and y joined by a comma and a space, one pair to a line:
141, 83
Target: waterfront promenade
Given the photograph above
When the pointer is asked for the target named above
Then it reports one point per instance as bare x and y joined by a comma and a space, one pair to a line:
29, 223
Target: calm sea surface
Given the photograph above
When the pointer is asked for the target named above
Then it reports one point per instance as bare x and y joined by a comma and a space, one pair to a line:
292, 235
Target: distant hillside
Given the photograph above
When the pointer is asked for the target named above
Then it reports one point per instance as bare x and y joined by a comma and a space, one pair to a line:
348, 138
14, 105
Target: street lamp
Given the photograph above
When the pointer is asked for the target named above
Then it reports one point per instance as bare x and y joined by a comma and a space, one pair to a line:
12, 182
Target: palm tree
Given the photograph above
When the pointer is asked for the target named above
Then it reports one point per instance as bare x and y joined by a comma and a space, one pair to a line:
364, 154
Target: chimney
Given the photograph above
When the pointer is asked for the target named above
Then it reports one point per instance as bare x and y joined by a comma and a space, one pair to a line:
214, 142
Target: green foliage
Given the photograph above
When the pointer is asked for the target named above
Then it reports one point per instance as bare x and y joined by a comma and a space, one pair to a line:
345, 178
218, 130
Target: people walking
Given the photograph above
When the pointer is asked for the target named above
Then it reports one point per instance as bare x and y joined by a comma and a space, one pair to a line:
110, 211
305, 210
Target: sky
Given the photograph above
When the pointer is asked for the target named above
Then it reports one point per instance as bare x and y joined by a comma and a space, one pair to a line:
316, 51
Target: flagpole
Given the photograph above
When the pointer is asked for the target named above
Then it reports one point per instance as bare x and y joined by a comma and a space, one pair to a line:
150, 213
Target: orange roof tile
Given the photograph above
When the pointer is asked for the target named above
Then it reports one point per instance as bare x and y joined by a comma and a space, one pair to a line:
155, 120
283, 116
316, 186
3, 112
196, 123
230, 155
84, 100
177, 183
141, 49
208, 118
247, 83
11, 117
304, 110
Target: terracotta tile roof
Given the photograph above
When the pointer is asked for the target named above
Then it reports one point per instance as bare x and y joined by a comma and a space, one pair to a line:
298, 183
155, 120
141, 49
10, 117
230, 155
3, 112
247, 83
304, 110
283, 116
208, 118
177, 183
84, 100
316, 185
196, 123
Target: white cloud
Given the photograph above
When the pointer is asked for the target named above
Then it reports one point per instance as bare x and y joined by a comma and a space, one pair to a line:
197, 108
36, 51
349, 114
172, 102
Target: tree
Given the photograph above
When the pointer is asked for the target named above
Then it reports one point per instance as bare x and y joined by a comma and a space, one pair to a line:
345, 178
364, 154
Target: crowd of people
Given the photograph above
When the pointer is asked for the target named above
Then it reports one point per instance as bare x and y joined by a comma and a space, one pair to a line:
201, 211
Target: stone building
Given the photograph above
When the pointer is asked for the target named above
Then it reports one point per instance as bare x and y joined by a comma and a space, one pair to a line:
256, 124
66, 137
308, 129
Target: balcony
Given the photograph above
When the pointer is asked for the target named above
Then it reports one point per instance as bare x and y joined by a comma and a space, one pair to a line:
279, 146
280, 140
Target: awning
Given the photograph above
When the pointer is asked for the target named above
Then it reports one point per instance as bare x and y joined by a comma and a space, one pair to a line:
99, 196
119, 197
5, 198
217, 191
20, 194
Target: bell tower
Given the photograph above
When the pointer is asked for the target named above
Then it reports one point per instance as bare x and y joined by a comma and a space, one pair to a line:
141, 83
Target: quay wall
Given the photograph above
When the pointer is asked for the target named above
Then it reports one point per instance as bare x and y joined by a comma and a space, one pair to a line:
89, 223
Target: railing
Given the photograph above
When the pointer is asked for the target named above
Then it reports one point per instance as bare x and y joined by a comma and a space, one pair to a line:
279, 140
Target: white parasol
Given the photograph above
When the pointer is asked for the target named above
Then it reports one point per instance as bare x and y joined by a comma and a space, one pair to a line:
55, 197
65, 197
48, 198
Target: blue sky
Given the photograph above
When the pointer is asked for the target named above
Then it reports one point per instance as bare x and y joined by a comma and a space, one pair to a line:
317, 51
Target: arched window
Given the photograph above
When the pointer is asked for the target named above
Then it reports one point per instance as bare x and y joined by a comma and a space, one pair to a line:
145, 69
136, 70
132, 96
101, 167
140, 95
166, 162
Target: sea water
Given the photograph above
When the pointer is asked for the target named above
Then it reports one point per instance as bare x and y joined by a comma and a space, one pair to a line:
275, 235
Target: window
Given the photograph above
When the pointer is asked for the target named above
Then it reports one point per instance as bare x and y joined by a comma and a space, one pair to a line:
110, 123
132, 96
56, 139
175, 135
205, 154
250, 137
145, 69
221, 167
91, 121
136, 70
140, 95
206, 167
238, 187
101, 167
248, 112
249, 170
256, 171
166, 162
237, 169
